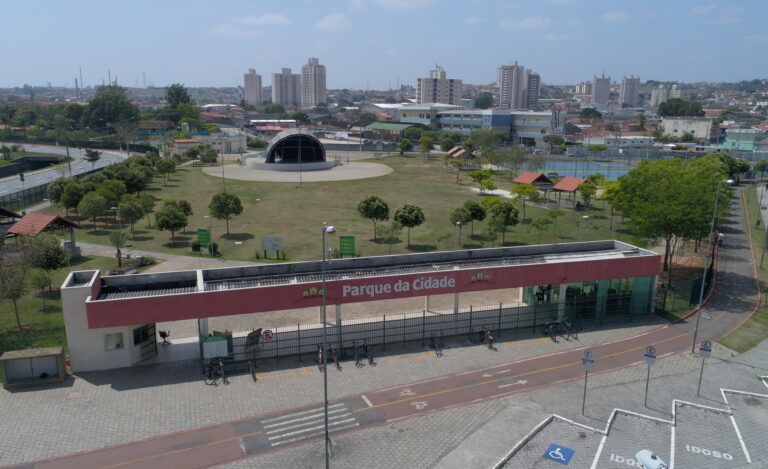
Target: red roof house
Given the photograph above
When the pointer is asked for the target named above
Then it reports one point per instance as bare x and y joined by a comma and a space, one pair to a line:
32, 224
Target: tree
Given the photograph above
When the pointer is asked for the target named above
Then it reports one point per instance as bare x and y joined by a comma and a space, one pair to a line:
109, 107
44, 252
92, 206
72, 195
412, 133
488, 185
171, 218
183, 206
596, 148
641, 120
405, 146
92, 156
224, 205
273, 108
165, 167
553, 140
6, 152
130, 212
554, 214
425, 145
525, 191
480, 176
476, 212
389, 233
587, 190
147, 203
503, 215
410, 216
484, 101
118, 239
486, 137
449, 140
300, 118
176, 94
458, 164
56, 189
540, 224
687, 137
679, 107
13, 283
590, 113
375, 209
460, 216
761, 166
40, 280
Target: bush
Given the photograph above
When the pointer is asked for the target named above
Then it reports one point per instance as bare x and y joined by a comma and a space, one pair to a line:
213, 248
195, 246
149, 260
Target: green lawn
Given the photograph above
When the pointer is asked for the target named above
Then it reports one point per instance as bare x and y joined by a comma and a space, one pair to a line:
296, 214
755, 330
41, 328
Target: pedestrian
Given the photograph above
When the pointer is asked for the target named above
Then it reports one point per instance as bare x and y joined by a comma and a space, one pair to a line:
720, 238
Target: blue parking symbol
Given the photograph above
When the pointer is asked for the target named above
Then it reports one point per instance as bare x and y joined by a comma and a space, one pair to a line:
559, 454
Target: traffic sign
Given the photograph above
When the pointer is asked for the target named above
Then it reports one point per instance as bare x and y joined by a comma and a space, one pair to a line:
267, 334
588, 359
650, 355
705, 349
559, 454
588, 354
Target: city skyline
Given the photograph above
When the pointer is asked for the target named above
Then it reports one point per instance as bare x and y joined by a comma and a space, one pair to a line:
381, 44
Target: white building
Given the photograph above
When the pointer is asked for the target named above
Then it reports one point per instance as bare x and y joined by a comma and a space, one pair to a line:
286, 88
659, 95
252, 85
601, 87
702, 128
438, 89
312, 84
630, 90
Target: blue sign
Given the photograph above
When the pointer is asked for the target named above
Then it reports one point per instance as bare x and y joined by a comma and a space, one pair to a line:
559, 454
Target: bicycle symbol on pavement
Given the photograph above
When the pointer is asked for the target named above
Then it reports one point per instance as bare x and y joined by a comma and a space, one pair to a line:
419, 404
407, 392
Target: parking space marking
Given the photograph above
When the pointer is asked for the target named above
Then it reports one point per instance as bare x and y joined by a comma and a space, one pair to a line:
303, 371
427, 354
741, 440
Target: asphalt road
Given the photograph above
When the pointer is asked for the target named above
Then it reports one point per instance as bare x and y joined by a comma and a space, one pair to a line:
12, 184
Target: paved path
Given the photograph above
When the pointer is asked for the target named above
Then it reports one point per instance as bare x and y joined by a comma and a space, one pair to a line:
343, 172
733, 299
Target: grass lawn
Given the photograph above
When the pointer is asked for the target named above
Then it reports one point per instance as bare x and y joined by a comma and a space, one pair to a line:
42, 328
755, 330
296, 214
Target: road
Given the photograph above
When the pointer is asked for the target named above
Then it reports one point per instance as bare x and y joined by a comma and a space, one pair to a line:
12, 184
733, 299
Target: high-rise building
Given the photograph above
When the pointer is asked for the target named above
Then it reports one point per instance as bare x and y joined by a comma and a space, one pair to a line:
286, 88
659, 95
438, 89
532, 90
252, 83
585, 87
630, 90
675, 92
601, 87
512, 82
312, 84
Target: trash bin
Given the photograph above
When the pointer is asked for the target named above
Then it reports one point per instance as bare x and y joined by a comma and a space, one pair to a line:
139, 261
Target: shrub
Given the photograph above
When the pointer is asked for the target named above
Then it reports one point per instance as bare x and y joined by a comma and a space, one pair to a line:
195, 246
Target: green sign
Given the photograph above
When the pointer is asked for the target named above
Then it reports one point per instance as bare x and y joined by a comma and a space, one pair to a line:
347, 245
203, 237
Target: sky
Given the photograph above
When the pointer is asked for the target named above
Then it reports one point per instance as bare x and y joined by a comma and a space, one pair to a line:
380, 44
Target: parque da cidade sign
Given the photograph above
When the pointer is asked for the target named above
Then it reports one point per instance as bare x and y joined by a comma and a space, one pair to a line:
372, 290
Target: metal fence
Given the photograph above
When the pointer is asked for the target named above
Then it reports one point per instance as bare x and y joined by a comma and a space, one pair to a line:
395, 332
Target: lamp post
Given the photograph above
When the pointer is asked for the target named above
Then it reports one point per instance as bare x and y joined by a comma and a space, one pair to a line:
458, 232
326, 229
210, 234
706, 261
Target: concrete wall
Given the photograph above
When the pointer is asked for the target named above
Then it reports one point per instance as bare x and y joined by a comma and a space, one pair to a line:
87, 347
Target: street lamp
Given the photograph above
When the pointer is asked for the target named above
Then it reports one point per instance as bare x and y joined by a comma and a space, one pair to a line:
458, 232
706, 261
326, 229
210, 234
585, 221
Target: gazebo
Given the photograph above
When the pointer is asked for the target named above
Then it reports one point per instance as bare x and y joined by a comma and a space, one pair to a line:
34, 223
568, 185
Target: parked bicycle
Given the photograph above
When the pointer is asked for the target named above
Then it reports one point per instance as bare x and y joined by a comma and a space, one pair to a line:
356, 355
436, 345
563, 328
215, 372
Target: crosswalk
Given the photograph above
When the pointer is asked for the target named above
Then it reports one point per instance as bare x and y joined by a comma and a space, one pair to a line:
731, 435
307, 424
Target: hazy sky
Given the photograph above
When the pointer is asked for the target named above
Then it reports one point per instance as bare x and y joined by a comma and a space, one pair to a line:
380, 43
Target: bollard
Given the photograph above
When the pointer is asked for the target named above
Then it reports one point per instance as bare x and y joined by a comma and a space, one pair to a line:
470, 323
402, 327
423, 326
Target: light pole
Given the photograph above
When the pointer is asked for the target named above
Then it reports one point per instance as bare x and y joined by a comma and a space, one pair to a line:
458, 232
326, 229
706, 261
585, 221
210, 234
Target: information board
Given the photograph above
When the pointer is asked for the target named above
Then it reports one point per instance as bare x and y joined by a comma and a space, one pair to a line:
347, 245
204, 237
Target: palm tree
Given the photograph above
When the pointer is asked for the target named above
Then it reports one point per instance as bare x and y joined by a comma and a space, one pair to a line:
118, 239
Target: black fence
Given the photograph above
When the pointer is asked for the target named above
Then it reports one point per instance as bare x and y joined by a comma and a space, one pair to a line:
396, 332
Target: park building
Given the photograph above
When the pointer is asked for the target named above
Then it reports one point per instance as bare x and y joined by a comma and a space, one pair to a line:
701, 128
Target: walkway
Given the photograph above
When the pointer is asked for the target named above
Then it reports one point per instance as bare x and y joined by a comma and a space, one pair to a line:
284, 411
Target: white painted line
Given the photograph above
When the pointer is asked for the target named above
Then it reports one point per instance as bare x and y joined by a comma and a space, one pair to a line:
309, 429
310, 435
293, 414
672, 448
307, 417
764, 379
242, 447
507, 385
741, 440
599, 452
367, 401
311, 422
502, 371
416, 383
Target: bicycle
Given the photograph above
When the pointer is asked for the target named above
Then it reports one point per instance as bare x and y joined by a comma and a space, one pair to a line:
334, 357
356, 355
488, 340
215, 371
367, 353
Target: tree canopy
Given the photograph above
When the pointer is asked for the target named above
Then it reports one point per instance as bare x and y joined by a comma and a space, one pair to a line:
177, 94
410, 216
373, 208
109, 107
503, 215
680, 107
224, 205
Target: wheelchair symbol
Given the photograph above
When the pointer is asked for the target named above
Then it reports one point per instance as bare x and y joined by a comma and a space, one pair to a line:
557, 454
